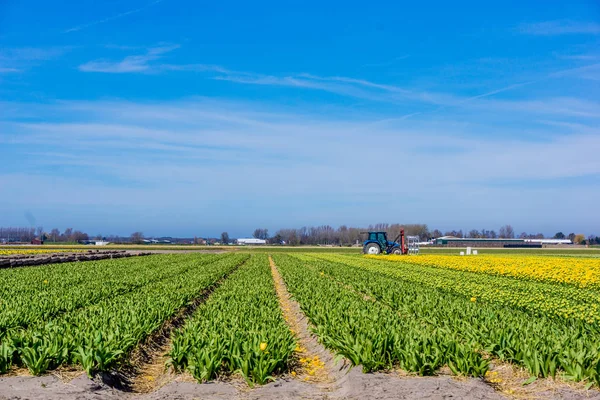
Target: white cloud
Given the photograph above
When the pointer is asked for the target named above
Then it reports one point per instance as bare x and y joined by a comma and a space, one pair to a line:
135, 63
189, 132
204, 154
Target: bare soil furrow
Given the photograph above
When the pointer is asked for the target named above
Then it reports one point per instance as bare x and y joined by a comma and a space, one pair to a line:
146, 368
314, 362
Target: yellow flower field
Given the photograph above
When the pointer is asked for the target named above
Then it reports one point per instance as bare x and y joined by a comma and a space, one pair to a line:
13, 252
583, 272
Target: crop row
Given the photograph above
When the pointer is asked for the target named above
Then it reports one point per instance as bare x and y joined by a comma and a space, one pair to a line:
37, 294
371, 334
240, 328
98, 335
539, 298
581, 272
544, 345
33, 251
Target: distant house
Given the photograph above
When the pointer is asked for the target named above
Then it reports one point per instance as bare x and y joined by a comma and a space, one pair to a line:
37, 241
251, 241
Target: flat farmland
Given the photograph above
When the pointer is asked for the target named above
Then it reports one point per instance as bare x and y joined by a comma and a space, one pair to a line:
272, 323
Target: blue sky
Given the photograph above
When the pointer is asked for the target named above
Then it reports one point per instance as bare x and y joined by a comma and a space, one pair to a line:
183, 118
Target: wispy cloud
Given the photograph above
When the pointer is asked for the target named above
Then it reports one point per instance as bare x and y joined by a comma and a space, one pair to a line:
5, 70
18, 59
359, 82
341, 85
32, 53
338, 85
143, 63
194, 68
365, 89
130, 64
111, 18
200, 128
141, 154
582, 72
560, 27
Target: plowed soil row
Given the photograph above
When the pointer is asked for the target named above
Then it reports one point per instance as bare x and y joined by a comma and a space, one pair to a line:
146, 369
55, 258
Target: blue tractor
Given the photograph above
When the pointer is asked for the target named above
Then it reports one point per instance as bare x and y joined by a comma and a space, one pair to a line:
377, 243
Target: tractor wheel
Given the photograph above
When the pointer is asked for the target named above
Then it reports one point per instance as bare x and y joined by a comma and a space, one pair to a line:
372, 248
397, 250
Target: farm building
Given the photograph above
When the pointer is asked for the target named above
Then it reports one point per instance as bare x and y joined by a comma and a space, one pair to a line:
251, 241
452, 241
549, 241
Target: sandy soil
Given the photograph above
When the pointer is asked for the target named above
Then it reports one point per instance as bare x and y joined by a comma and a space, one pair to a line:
353, 385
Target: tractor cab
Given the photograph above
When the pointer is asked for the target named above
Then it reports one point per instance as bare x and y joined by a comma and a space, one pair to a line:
379, 237
378, 243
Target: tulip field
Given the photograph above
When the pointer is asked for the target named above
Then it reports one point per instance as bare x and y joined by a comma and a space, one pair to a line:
239, 328
421, 317
91, 314
12, 252
418, 314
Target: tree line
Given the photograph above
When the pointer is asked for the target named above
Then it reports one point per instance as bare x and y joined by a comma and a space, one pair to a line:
345, 235
308, 235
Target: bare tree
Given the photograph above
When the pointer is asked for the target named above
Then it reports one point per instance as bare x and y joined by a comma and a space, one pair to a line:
474, 234
507, 232
225, 238
54, 234
137, 237
502, 232
78, 236
261, 233
68, 235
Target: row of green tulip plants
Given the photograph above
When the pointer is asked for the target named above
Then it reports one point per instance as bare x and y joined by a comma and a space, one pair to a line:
545, 345
371, 334
238, 330
97, 336
540, 298
41, 293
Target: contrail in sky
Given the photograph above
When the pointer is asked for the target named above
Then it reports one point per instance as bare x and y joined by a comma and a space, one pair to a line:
112, 18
